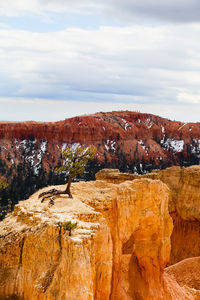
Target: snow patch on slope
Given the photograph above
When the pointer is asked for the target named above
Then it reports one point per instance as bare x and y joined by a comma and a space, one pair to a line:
110, 145
149, 123
143, 146
182, 126
175, 145
126, 124
195, 147
32, 154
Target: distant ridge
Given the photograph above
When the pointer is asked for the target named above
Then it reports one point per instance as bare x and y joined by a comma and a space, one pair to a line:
130, 141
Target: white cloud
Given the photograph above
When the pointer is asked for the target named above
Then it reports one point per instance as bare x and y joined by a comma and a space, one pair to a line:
75, 6
188, 98
149, 64
21, 7
23, 109
13, 8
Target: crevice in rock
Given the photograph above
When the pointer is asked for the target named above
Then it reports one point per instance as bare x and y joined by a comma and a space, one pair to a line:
21, 250
45, 282
114, 235
127, 247
187, 233
138, 287
21, 246
60, 238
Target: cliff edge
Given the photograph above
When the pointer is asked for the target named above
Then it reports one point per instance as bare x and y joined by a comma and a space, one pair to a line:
117, 251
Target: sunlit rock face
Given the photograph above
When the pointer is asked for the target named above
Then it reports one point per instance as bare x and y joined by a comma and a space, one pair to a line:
124, 239
184, 205
117, 251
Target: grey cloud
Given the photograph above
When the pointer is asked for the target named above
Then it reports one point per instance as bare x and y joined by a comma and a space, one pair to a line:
135, 10
127, 11
171, 10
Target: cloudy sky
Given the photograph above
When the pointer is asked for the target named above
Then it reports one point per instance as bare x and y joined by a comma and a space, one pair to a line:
61, 58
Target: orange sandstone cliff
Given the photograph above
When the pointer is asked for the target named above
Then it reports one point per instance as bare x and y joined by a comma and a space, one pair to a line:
184, 205
119, 249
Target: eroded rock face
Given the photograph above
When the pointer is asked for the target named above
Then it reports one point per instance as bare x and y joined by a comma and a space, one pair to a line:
184, 185
118, 250
126, 139
184, 205
140, 230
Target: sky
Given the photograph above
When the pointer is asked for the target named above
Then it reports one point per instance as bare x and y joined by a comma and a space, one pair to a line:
62, 58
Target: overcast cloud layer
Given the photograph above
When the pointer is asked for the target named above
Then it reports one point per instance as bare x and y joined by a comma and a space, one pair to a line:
171, 10
150, 56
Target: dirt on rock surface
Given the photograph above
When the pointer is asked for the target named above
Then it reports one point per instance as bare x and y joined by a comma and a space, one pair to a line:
187, 274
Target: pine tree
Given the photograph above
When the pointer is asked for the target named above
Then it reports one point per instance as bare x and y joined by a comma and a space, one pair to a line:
74, 164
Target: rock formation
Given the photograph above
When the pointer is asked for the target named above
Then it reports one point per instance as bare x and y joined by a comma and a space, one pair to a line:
185, 274
118, 250
120, 247
130, 141
184, 184
129, 133
184, 205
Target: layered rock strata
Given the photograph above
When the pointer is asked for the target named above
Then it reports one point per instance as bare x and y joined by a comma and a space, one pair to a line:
184, 205
118, 250
131, 141
126, 139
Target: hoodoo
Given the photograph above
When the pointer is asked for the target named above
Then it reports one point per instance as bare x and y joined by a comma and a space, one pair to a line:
129, 141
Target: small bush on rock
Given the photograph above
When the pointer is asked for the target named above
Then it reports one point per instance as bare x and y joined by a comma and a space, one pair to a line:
69, 226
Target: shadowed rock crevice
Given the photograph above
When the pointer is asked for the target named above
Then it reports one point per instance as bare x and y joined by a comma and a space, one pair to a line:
21, 250
138, 287
187, 234
127, 247
11, 297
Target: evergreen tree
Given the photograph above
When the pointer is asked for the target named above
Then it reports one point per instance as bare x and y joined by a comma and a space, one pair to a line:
74, 163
